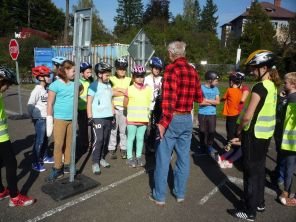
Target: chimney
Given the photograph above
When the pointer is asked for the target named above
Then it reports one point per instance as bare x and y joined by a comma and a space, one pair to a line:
277, 3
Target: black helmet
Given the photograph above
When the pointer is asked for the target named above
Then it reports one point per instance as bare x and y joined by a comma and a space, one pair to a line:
121, 63
237, 77
102, 67
8, 75
261, 58
211, 75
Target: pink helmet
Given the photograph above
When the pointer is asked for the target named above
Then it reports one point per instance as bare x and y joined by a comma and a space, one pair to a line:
138, 70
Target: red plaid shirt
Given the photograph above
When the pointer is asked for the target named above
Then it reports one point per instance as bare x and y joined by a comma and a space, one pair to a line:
181, 87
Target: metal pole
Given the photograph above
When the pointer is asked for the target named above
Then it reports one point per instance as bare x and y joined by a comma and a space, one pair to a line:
19, 87
238, 55
143, 49
75, 105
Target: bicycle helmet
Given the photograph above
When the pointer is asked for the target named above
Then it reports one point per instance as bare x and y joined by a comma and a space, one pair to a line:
121, 63
102, 67
236, 77
41, 71
156, 62
211, 75
8, 75
58, 60
138, 71
84, 66
261, 58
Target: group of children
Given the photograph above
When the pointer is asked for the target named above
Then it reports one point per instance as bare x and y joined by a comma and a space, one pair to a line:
120, 103
106, 105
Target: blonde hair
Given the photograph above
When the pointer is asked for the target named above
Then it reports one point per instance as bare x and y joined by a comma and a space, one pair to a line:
66, 65
274, 76
291, 78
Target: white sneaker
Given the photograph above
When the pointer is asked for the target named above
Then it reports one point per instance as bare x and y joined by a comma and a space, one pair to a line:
227, 164
218, 159
104, 163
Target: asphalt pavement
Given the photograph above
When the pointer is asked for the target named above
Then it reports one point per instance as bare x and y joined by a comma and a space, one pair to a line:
123, 193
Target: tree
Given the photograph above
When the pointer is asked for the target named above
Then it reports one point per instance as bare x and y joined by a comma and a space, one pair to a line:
208, 21
258, 31
40, 15
157, 9
191, 13
129, 14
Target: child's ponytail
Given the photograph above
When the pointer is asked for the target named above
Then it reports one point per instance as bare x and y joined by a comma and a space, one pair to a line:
274, 76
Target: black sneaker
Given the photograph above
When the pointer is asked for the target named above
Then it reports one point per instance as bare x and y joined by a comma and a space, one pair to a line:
242, 215
66, 168
113, 155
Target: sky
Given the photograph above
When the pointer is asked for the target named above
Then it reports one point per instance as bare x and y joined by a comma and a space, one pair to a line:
227, 9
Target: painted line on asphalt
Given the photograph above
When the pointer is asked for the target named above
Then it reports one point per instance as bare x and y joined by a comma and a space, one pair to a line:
85, 197
234, 180
9, 112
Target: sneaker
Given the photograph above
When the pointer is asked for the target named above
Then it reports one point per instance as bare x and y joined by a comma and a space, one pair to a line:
241, 215
67, 168
291, 202
113, 155
38, 167
228, 164
48, 159
261, 209
283, 197
131, 162
104, 163
4, 194
180, 200
96, 169
218, 159
123, 154
54, 175
140, 161
158, 203
20, 201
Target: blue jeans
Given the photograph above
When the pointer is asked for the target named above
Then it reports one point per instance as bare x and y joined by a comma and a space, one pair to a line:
290, 166
177, 136
41, 141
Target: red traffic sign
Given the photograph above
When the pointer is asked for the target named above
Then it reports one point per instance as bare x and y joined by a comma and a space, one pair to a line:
14, 49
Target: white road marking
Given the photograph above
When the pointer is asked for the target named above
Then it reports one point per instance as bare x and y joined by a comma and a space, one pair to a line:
234, 180
85, 197
11, 112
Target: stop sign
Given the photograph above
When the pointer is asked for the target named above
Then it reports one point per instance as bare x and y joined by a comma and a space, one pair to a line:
13, 49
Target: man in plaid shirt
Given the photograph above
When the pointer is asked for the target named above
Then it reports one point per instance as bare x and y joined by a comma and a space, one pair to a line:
181, 87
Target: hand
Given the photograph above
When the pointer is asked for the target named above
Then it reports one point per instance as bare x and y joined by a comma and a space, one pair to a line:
49, 125
161, 130
236, 141
91, 122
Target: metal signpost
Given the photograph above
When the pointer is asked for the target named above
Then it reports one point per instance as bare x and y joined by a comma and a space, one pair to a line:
14, 53
141, 49
65, 188
81, 46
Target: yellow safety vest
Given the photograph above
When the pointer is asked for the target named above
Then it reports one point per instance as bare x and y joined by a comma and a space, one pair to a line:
138, 104
119, 83
3, 122
265, 123
83, 96
289, 134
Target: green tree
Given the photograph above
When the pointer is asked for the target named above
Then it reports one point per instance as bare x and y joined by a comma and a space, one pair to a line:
40, 15
208, 20
129, 14
191, 13
157, 9
258, 31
